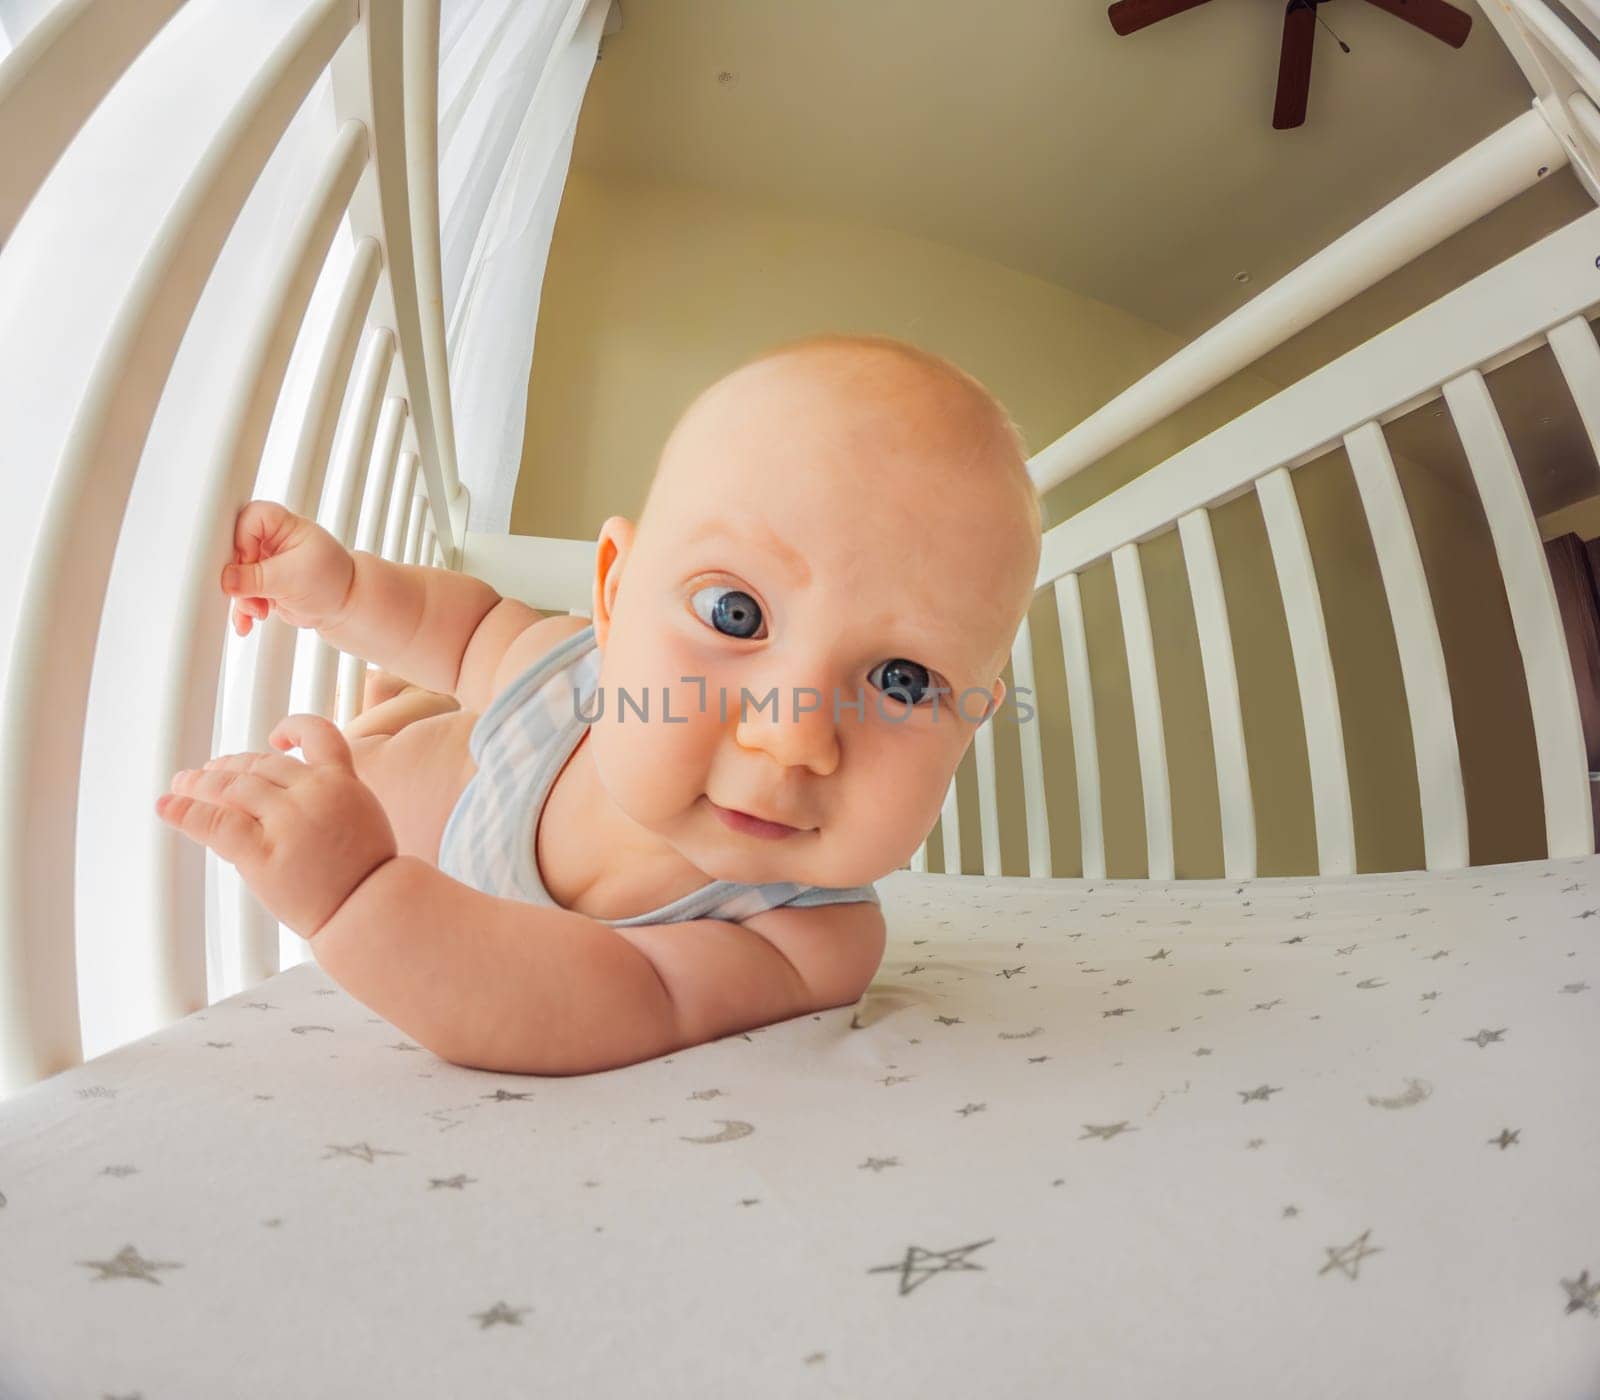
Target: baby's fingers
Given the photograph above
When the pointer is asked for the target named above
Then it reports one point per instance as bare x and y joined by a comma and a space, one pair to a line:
231, 832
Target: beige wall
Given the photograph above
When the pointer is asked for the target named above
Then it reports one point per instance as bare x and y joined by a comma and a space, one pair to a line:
655, 291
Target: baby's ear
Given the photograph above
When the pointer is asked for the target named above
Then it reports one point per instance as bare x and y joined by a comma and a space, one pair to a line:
998, 695
612, 548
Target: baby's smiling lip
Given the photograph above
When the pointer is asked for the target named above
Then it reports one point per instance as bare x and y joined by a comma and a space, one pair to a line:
751, 824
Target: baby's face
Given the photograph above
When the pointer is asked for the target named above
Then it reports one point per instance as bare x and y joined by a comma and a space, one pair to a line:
814, 572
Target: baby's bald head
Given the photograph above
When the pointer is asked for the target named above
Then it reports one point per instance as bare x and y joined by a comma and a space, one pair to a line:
903, 444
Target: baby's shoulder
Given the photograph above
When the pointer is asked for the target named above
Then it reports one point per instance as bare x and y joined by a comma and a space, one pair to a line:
533, 644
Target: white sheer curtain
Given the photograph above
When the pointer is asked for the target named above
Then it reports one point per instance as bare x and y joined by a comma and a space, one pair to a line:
512, 74
512, 77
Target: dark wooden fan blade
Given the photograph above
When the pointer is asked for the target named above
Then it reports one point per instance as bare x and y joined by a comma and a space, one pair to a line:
1433, 17
1129, 15
1294, 64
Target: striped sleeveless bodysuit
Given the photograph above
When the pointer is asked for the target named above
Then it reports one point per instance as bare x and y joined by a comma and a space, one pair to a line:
520, 744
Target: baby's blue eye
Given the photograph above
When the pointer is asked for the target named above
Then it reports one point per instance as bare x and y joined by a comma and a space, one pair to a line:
907, 681
731, 611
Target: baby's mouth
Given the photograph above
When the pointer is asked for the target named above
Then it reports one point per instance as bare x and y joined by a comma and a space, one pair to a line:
751, 825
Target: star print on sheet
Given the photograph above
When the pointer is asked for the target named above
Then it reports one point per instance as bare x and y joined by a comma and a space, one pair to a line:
914, 1270
500, 1312
358, 1149
1347, 1258
128, 1263
1261, 1093
1485, 1038
1582, 1296
1105, 1131
1506, 1138
454, 1183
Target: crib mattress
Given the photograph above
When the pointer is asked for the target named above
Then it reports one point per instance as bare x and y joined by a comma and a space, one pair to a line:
1334, 1138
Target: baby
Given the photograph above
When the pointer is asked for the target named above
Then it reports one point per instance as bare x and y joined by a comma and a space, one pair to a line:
788, 657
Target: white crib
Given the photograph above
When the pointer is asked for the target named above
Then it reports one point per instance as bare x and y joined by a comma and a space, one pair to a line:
1326, 1136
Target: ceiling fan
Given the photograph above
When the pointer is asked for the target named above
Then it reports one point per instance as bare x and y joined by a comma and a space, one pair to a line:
1435, 17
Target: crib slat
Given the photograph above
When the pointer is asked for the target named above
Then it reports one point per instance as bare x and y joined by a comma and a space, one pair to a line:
1313, 669
1148, 727
988, 804
430, 542
1573, 345
364, 89
308, 466
385, 457
1032, 744
53, 80
167, 232
1080, 701
950, 830
275, 652
1535, 617
919, 859
1235, 801
191, 684
394, 535
413, 548
352, 456
1416, 633
420, 54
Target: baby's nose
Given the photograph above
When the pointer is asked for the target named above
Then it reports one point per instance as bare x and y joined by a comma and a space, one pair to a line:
798, 731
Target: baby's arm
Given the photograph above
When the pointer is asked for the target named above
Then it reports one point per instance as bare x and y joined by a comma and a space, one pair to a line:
504, 985
420, 622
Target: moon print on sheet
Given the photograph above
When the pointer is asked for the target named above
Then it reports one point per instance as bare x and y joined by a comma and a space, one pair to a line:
732, 1130
1415, 1092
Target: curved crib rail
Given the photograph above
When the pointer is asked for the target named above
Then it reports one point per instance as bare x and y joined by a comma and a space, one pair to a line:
127, 180
1541, 296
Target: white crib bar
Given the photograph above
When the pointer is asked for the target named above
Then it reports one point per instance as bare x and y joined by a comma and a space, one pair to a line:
413, 548
1313, 669
1080, 703
1416, 634
1493, 319
420, 48
63, 593
1036, 810
53, 80
385, 457
1535, 617
399, 505
1573, 344
430, 542
950, 830
1481, 178
988, 804
1235, 801
1147, 724
190, 684
308, 467
352, 455
365, 88
275, 651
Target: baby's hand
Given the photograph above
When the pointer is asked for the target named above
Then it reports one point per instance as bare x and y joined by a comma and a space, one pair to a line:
282, 560
303, 835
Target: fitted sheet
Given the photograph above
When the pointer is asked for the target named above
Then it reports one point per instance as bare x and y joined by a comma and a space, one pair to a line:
1287, 1137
